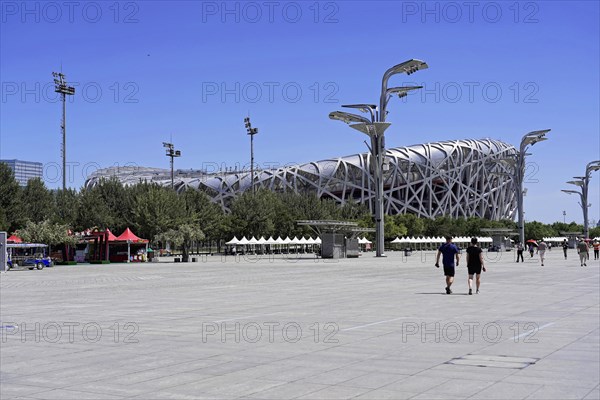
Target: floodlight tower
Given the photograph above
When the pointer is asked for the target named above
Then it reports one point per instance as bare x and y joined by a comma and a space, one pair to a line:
251, 131
172, 153
60, 86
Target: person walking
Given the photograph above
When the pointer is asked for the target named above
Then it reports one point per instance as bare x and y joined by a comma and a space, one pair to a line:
565, 247
450, 252
520, 249
583, 251
531, 249
542, 247
475, 265
596, 250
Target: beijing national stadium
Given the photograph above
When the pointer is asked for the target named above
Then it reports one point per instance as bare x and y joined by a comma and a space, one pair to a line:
456, 178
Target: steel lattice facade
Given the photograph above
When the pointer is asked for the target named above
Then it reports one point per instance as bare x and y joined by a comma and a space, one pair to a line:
457, 178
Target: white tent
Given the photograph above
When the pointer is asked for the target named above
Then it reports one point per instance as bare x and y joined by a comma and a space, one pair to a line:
270, 240
243, 241
397, 240
233, 241
262, 240
318, 240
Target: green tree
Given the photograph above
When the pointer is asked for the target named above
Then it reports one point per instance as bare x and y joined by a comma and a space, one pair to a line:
559, 227
93, 211
391, 230
537, 230
444, 226
155, 209
66, 206
10, 199
46, 232
253, 214
183, 236
116, 203
415, 226
38, 201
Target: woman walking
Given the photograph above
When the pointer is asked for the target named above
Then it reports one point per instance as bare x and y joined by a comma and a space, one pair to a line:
474, 265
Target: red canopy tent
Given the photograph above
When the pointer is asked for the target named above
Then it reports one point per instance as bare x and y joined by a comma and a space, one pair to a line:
101, 239
129, 237
14, 239
111, 236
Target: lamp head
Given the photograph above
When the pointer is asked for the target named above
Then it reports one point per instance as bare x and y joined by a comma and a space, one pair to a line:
407, 67
362, 107
576, 183
348, 117
402, 91
534, 137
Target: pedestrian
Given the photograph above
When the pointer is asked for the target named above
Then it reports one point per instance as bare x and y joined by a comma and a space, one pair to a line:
596, 250
542, 247
565, 247
531, 249
474, 265
583, 251
450, 252
520, 249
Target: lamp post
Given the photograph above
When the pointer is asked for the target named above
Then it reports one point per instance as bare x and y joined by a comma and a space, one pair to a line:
518, 164
251, 131
172, 153
60, 86
375, 129
528, 140
583, 183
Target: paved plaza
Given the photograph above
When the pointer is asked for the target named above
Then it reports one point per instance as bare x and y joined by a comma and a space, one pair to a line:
280, 328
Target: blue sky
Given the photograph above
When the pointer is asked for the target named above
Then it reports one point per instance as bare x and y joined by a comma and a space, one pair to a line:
149, 71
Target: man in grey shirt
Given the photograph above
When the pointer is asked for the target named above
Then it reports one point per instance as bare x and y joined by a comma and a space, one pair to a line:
542, 247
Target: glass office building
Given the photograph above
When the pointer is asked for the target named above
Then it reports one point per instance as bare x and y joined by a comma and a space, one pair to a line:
25, 170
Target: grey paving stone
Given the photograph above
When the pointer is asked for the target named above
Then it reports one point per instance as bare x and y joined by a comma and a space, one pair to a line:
594, 394
415, 384
72, 395
372, 304
504, 390
373, 380
336, 392
559, 392
9, 390
287, 391
382, 394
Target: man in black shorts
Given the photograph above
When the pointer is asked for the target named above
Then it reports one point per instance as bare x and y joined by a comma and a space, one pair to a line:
565, 247
474, 264
450, 251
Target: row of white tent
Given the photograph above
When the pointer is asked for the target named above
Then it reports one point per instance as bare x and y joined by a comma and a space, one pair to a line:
562, 238
555, 239
439, 239
253, 241
244, 241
